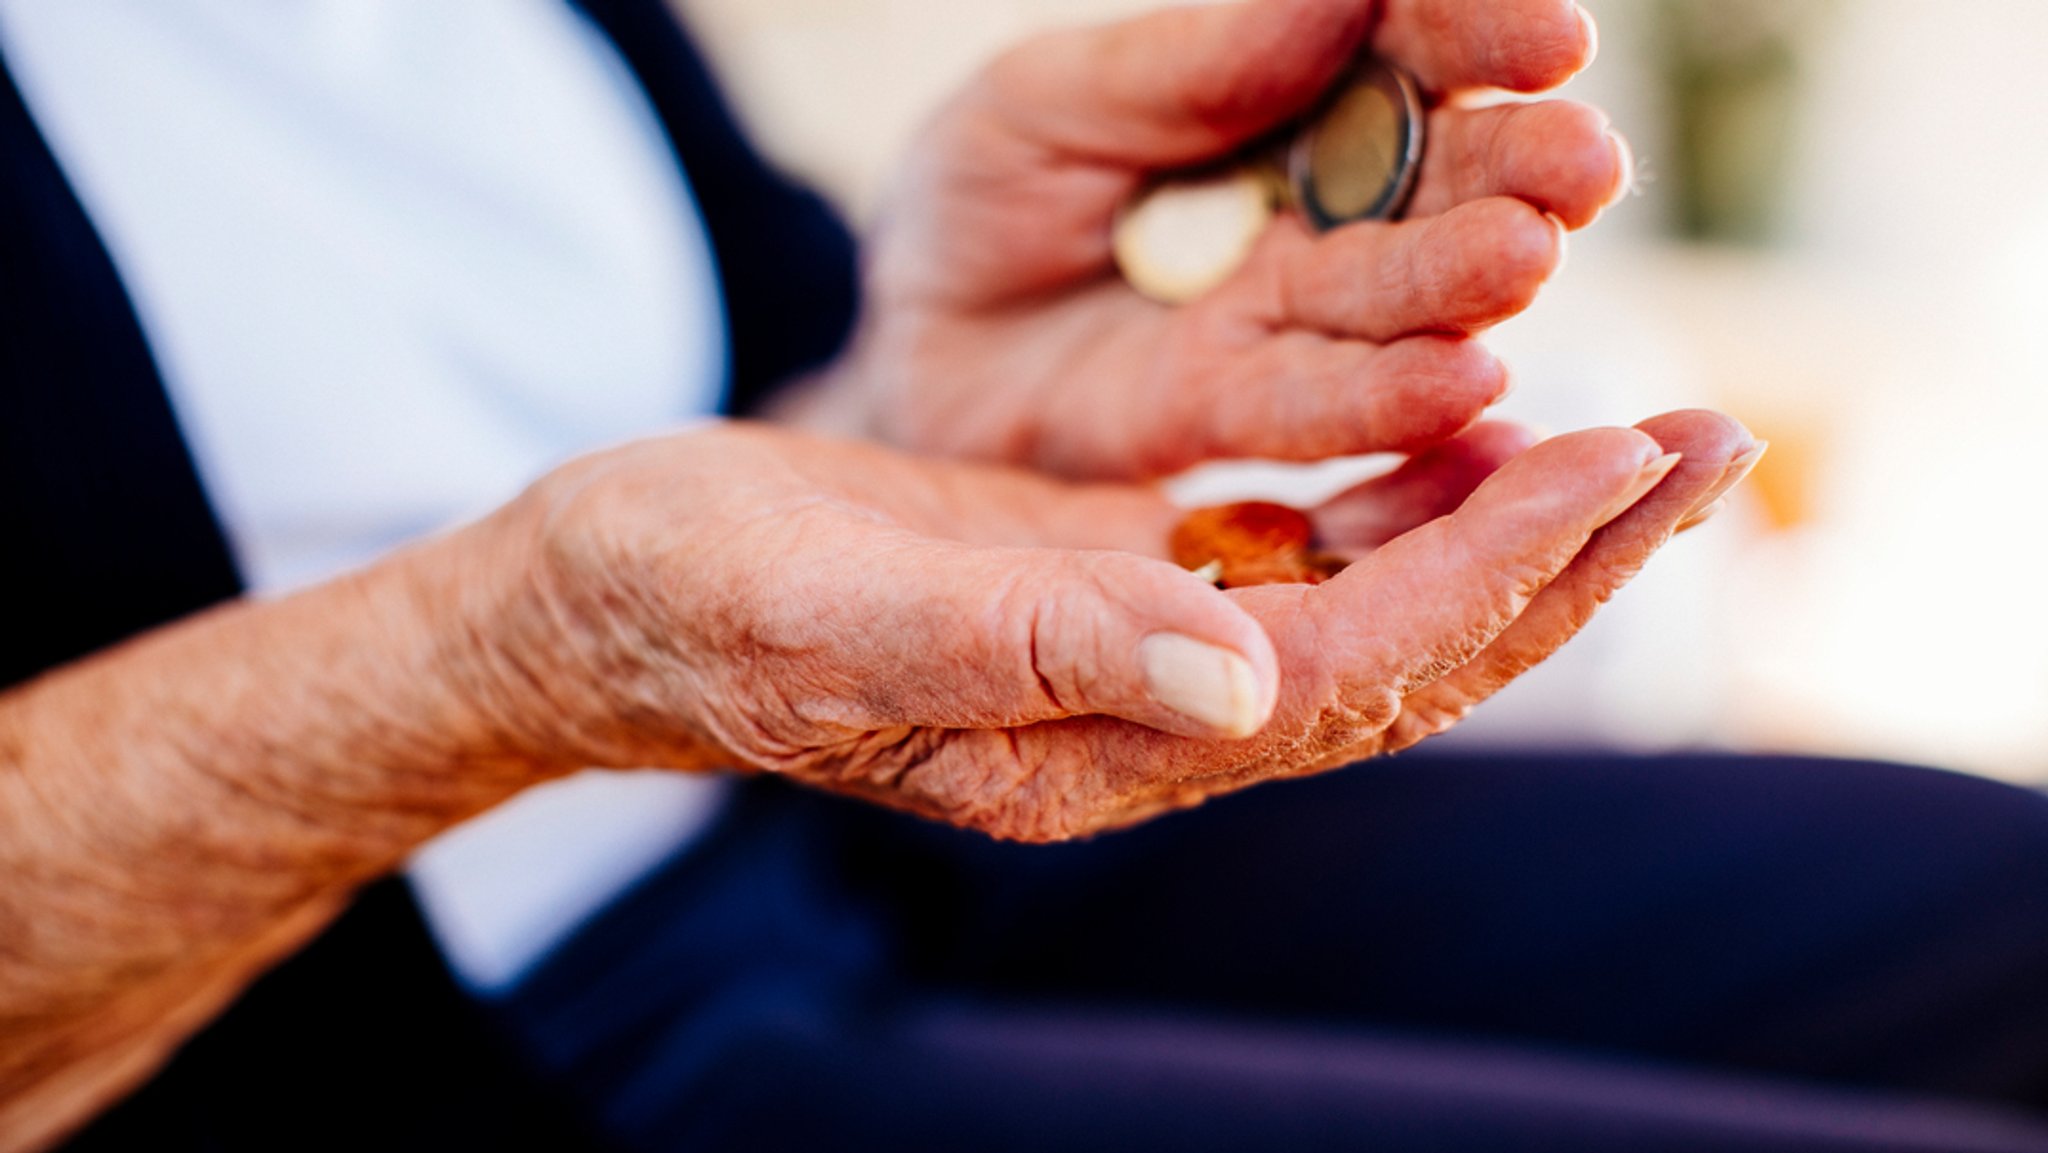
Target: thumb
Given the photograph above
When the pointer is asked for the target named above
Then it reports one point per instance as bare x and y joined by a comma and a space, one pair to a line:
1179, 86
963, 637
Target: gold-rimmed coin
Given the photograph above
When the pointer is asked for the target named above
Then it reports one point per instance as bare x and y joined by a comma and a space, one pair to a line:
1358, 158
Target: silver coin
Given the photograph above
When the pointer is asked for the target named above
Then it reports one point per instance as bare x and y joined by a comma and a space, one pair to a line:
1358, 156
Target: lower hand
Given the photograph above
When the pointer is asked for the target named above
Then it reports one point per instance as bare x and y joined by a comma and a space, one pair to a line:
1009, 653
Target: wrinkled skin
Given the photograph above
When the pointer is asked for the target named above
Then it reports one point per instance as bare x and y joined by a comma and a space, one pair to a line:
998, 329
955, 641
959, 641
963, 642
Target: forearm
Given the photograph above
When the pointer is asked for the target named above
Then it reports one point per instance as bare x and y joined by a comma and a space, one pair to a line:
178, 812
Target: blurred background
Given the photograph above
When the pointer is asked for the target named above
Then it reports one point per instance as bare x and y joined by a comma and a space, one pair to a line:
1839, 237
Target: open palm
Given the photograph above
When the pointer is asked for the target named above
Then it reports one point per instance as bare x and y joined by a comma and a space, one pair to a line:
1013, 654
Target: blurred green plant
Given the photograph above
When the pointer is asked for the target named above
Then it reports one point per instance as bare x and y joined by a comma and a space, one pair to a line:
1735, 71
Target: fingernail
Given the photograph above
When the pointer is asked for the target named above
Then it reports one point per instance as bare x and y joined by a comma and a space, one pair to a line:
1733, 475
1653, 473
1592, 33
1743, 465
1211, 686
1564, 242
1507, 385
1701, 517
1625, 159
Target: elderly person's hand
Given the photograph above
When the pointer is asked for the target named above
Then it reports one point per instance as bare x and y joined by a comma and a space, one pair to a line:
979, 645
998, 327
990, 648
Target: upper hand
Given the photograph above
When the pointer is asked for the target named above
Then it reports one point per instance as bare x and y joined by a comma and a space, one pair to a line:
998, 327
1009, 653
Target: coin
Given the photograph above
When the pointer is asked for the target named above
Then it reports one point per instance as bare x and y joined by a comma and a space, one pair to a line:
1251, 543
1183, 237
1358, 158
1354, 158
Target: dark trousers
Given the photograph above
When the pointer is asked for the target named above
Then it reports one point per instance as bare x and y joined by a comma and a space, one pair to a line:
1433, 952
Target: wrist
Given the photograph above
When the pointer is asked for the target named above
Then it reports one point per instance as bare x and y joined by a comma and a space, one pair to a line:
377, 719
555, 630
496, 649
178, 794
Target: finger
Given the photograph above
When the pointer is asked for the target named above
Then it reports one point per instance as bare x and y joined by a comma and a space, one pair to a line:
1459, 272
1351, 649
932, 633
1429, 601
1423, 605
1426, 486
1186, 84
1718, 452
1302, 396
1520, 45
1561, 157
1178, 86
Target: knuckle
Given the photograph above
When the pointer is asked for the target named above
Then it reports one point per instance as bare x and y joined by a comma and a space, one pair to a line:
1599, 579
1425, 717
1456, 376
1029, 610
1067, 615
1522, 243
1561, 159
1517, 581
1532, 51
1356, 717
